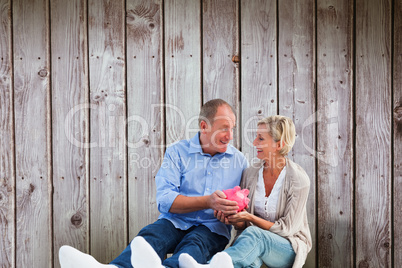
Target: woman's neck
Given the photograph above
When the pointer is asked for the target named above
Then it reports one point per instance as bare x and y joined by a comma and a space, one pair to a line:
275, 164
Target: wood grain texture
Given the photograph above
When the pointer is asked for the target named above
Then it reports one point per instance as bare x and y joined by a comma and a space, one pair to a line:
32, 117
220, 35
145, 109
7, 176
70, 137
373, 134
182, 24
108, 182
397, 116
297, 93
334, 133
258, 67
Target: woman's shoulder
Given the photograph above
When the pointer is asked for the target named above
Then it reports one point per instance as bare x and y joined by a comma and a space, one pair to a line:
250, 173
253, 168
296, 172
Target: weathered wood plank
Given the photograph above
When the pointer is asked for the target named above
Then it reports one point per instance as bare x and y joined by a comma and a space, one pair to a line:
334, 133
397, 150
182, 68
258, 67
373, 134
108, 183
70, 136
7, 176
145, 109
296, 90
32, 141
220, 44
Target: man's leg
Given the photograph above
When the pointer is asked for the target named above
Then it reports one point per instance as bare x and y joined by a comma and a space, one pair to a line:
200, 243
161, 235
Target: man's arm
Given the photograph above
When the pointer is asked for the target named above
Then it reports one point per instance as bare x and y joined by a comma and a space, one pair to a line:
215, 201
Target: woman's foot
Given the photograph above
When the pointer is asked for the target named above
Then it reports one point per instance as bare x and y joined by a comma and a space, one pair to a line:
70, 257
143, 255
220, 260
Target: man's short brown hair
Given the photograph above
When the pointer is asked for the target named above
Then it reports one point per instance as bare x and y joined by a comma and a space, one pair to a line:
209, 109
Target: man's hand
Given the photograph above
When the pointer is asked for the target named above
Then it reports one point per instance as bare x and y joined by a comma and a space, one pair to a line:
218, 202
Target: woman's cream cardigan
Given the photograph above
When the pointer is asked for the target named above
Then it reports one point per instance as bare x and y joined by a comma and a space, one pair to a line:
291, 211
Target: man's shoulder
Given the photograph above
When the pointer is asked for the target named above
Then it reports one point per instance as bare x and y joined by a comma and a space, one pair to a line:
236, 151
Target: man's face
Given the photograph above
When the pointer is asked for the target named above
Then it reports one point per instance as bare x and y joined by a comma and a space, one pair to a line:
220, 133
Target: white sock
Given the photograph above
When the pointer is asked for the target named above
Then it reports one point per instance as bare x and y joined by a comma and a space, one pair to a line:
186, 261
221, 260
143, 255
70, 257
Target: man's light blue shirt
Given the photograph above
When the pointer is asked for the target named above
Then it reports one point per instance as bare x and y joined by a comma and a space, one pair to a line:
187, 171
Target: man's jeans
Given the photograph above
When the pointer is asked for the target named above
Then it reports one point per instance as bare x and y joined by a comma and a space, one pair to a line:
198, 241
256, 245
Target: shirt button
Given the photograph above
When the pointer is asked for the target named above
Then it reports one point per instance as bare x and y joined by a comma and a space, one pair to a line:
209, 173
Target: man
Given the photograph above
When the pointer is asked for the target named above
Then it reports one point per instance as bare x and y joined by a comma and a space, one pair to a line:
189, 185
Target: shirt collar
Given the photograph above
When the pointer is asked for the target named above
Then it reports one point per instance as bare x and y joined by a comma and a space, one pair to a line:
195, 146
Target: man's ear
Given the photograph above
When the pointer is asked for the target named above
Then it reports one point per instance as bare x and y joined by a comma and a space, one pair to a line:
203, 126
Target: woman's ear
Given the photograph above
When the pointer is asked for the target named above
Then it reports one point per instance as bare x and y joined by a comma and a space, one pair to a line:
279, 145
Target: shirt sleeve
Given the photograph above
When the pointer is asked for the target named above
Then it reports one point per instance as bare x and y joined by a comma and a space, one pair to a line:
168, 181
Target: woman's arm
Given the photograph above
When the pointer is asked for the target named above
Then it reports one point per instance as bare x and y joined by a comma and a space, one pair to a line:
240, 219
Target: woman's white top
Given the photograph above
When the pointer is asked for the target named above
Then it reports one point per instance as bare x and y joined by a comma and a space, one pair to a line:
265, 207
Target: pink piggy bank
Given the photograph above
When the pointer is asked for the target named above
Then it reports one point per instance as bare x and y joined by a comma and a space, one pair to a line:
240, 196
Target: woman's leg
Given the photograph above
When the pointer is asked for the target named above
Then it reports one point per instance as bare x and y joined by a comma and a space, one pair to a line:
255, 243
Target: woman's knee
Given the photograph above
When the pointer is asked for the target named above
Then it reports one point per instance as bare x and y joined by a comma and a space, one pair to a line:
253, 231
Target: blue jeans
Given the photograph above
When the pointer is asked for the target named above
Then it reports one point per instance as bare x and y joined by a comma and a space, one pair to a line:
198, 241
256, 245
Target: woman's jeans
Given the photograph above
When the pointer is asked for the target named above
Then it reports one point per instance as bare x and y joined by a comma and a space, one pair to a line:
198, 241
256, 245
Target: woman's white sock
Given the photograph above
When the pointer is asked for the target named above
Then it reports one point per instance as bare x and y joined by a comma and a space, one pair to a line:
143, 255
70, 257
186, 261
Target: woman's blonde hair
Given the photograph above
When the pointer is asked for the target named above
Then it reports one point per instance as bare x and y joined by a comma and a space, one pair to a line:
281, 128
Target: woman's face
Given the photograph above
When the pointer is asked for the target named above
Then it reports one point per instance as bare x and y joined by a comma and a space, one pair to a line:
266, 147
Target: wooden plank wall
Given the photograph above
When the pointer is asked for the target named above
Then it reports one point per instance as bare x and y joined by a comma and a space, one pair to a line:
92, 92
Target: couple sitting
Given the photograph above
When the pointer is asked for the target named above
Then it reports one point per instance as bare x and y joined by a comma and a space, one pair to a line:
196, 217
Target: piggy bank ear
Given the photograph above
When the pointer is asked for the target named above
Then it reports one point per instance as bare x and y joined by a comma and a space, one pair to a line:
236, 189
246, 191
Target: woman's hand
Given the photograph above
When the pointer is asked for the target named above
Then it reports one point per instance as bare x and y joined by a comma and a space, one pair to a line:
221, 217
239, 217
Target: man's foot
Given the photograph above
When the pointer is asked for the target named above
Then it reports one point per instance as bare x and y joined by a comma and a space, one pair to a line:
143, 255
186, 261
70, 257
221, 260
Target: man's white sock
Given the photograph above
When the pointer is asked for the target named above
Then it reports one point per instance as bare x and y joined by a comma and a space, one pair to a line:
186, 261
70, 257
143, 255
221, 260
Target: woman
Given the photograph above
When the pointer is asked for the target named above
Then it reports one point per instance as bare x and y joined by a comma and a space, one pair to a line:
275, 223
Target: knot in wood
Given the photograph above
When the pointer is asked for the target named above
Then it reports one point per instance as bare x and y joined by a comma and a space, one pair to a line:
43, 73
236, 58
398, 114
364, 264
76, 220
